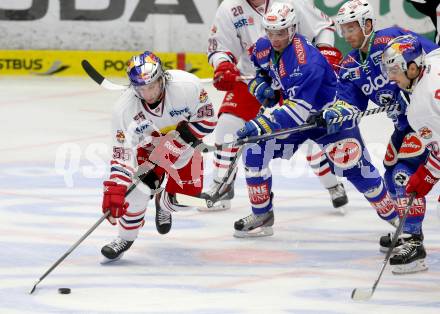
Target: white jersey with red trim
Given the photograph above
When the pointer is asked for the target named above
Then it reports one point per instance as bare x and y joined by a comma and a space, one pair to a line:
238, 25
424, 110
184, 99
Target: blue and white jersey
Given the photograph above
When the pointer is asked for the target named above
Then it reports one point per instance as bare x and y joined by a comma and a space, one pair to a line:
304, 77
361, 79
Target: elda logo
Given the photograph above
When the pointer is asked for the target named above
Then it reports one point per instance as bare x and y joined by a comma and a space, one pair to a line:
55, 68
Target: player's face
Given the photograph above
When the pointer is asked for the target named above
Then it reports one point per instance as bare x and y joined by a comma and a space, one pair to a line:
395, 74
257, 3
279, 39
353, 34
150, 92
403, 79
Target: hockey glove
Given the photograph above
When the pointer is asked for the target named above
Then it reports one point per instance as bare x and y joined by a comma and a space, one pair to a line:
186, 135
114, 200
258, 126
317, 117
264, 93
333, 56
225, 76
340, 109
421, 182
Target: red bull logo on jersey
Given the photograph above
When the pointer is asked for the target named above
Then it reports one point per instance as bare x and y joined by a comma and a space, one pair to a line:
120, 136
425, 133
203, 96
345, 153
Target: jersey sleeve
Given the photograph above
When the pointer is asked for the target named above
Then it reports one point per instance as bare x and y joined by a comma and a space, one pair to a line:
300, 98
314, 24
123, 161
223, 42
202, 120
433, 163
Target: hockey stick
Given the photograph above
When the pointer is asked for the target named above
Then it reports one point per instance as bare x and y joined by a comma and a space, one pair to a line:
107, 84
365, 113
366, 294
308, 126
143, 173
209, 202
199, 201
99, 79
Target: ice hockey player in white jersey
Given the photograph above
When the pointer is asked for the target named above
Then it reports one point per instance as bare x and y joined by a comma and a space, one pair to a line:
237, 26
156, 124
404, 62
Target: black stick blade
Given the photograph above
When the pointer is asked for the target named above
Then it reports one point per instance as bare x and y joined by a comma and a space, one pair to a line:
90, 70
98, 78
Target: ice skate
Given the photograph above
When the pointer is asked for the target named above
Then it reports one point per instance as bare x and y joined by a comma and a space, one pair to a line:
224, 202
255, 225
410, 259
339, 197
385, 241
163, 216
115, 250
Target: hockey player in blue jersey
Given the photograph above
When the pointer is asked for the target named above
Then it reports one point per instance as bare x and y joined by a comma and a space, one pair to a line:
287, 62
361, 80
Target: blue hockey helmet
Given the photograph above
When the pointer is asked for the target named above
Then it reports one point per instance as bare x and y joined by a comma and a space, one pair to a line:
399, 52
144, 69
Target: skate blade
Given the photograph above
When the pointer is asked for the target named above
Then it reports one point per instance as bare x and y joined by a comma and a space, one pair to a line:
218, 207
342, 210
106, 260
411, 268
255, 233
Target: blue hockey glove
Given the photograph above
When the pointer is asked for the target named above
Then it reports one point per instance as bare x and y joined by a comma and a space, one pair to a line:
258, 126
338, 110
261, 89
398, 115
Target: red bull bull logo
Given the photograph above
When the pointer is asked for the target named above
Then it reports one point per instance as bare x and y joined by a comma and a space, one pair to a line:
401, 47
425, 133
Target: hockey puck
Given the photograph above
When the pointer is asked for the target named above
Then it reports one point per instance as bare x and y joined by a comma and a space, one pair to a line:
64, 290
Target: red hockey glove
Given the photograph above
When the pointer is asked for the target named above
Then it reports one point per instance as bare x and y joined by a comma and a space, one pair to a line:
225, 76
333, 56
114, 200
421, 182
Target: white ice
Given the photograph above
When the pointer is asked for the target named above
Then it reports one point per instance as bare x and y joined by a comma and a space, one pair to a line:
53, 158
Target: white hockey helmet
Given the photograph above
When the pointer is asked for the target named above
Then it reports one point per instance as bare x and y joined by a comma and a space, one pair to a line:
281, 16
355, 10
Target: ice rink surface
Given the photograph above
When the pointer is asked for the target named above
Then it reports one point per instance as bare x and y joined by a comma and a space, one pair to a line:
54, 156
